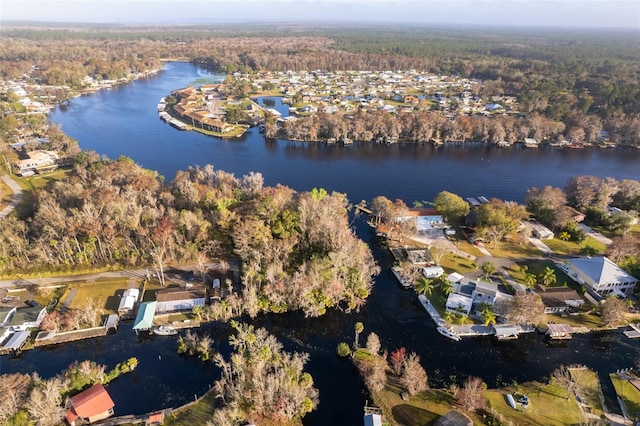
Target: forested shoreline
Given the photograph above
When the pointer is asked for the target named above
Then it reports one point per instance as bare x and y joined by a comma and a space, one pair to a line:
568, 83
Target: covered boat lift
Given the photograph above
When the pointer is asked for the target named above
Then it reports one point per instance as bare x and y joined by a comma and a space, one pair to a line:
17, 340
144, 319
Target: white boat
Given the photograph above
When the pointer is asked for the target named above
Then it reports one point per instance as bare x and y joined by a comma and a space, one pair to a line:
447, 333
165, 330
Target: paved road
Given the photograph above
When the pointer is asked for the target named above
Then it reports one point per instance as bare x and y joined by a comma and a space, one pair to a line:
17, 196
595, 235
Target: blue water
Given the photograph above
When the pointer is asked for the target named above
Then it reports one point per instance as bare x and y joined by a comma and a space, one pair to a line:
124, 121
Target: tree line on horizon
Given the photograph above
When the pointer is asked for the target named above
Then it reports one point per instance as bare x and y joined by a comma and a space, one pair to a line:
581, 80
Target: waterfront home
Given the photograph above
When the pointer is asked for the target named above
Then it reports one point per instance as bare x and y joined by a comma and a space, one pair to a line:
601, 276
432, 271
26, 318
530, 143
36, 160
558, 300
458, 303
6, 313
179, 298
90, 406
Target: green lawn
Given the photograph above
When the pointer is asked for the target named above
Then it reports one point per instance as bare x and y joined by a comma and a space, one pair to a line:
454, 263
635, 229
511, 250
105, 292
536, 267
629, 393
467, 247
548, 405
196, 414
590, 385
570, 248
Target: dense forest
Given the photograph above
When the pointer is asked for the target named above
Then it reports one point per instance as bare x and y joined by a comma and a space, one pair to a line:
297, 249
564, 76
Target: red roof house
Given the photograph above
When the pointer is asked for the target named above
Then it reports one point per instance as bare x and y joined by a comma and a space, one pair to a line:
90, 405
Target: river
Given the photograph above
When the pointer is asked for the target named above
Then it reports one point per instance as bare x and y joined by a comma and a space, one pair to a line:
124, 121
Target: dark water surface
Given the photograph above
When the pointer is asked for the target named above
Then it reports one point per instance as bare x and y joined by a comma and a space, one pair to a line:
124, 121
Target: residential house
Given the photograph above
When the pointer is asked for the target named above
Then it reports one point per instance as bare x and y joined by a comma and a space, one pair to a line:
454, 418
601, 276
179, 298
530, 143
459, 303
471, 296
90, 406
540, 231
432, 271
37, 159
558, 300
26, 318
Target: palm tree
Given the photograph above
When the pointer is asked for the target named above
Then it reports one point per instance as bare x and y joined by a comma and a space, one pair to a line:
489, 268
564, 236
547, 277
424, 286
488, 316
446, 286
448, 317
530, 279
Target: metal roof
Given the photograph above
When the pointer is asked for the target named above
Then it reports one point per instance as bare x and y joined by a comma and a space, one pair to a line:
144, 318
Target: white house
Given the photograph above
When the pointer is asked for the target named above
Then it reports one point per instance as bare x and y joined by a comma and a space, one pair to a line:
459, 303
25, 318
540, 231
36, 159
432, 271
602, 276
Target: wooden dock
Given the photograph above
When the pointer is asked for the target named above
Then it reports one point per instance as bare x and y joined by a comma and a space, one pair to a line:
634, 333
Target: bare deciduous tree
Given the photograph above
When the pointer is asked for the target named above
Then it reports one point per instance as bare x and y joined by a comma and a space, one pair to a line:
473, 396
414, 377
373, 343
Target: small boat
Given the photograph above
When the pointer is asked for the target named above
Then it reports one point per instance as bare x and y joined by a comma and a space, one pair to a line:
448, 333
404, 281
511, 401
165, 330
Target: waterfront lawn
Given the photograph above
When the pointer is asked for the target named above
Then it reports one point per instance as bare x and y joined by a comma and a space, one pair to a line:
548, 405
588, 319
629, 394
590, 388
105, 292
635, 229
570, 248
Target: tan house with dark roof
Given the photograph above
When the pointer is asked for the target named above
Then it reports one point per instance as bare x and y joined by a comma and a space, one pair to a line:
179, 298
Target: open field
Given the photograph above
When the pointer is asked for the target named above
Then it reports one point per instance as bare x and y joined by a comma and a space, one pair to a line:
548, 405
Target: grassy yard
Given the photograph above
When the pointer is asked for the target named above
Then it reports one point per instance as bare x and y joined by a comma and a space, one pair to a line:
452, 262
590, 385
510, 250
196, 414
105, 292
201, 412
548, 405
629, 393
570, 248
536, 267
587, 319
635, 229
6, 194
467, 247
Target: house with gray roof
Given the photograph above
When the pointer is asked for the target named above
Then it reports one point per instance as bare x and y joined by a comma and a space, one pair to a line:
601, 276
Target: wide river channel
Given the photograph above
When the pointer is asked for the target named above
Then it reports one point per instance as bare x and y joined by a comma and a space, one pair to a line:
124, 121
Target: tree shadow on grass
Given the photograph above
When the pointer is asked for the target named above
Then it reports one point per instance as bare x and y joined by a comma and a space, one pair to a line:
410, 415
